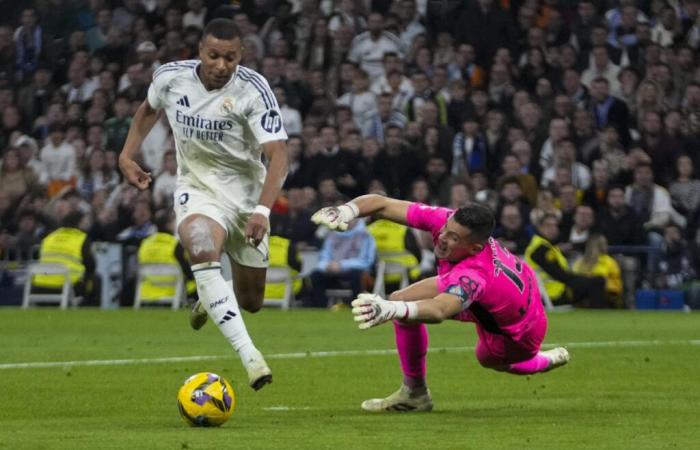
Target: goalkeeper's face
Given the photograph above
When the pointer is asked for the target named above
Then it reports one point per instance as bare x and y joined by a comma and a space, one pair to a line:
220, 57
456, 242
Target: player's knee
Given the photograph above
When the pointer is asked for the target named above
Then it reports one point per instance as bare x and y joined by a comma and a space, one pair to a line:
203, 257
201, 239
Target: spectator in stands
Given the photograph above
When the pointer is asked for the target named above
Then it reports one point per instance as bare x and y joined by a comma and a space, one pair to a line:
195, 15
58, 157
691, 110
584, 136
328, 194
117, 127
607, 109
544, 206
584, 222
685, 189
561, 285
33, 99
141, 225
675, 264
15, 179
437, 177
651, 202
618, 222
345, 257
661, 150
29, 234
567, 200
368, 48
384, 116
30, 44
610, 151
397, 164
479, 185
95, 175
595, 195
459, 194
596, 262
565, 157
469, 149
295, 223
337, 163
291, 118
79, 88
361, 101
512, 230
487, 27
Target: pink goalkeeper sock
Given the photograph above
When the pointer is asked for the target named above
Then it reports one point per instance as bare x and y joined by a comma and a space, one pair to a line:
412, 344
539, 363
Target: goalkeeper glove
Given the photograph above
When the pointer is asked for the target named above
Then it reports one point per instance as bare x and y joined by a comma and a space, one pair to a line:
336, 217
371, 310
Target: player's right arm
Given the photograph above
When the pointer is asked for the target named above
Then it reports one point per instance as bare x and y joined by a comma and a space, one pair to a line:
146, 116
141, 125
338, 217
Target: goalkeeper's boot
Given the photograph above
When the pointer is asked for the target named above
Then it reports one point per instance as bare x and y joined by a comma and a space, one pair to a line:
259, 374
558, 356
403, 400
198, 316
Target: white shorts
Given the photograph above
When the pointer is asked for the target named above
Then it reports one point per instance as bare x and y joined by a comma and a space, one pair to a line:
190, 201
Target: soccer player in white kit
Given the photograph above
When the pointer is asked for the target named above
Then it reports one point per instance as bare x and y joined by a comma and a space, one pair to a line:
223, 116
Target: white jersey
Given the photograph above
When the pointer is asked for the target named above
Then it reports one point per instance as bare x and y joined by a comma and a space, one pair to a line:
219, 133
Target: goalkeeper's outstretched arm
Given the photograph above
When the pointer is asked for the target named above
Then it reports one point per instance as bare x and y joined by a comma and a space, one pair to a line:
371, 310
365, 205
382, 207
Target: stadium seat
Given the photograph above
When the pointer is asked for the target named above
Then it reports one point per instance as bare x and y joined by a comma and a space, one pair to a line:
548, 305
65, 297
280, 275
386, 267
162, 275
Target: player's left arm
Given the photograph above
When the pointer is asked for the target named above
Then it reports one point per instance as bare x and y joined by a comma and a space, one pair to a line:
265, 121
455, 292
278, 163
438, 309
371, 310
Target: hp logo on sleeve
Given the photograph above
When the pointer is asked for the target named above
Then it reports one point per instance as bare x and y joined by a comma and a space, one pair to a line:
271, 121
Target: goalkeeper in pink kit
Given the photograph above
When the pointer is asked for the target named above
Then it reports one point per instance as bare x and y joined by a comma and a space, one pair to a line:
478, 281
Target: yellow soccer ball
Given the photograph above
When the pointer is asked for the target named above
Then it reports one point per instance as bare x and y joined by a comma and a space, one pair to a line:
206, 400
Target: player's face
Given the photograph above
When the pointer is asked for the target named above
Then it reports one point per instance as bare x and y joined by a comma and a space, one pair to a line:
455, 242
220, 57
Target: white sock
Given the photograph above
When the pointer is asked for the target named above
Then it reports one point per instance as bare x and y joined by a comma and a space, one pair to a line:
218, 299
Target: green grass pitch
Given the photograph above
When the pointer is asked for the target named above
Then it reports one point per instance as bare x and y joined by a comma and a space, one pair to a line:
633, 383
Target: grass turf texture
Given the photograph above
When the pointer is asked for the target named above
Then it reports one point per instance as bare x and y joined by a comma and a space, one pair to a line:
641, 396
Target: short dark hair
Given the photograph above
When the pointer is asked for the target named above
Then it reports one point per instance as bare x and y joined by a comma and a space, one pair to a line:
72, 219
478, 218
222, 29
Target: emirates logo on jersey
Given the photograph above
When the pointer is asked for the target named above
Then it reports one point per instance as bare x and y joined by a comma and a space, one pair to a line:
227, 106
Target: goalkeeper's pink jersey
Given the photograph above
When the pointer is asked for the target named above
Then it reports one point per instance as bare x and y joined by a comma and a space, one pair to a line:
498, 290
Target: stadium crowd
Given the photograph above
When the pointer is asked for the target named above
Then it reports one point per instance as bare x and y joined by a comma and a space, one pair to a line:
584, 113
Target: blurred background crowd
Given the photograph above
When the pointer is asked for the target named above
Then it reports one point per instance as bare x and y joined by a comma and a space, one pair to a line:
576, 121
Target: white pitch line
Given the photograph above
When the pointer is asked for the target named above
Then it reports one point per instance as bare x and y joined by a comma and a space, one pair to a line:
326, 354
